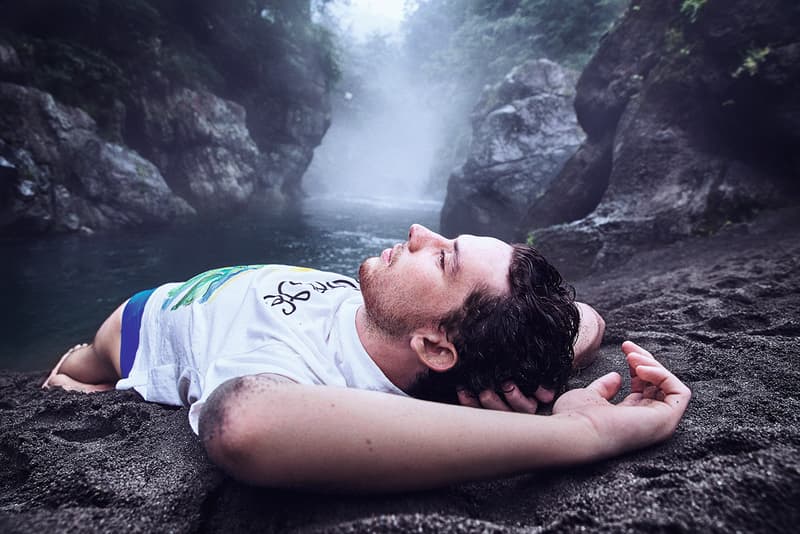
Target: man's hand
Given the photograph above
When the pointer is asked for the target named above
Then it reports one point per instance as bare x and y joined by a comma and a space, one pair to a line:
648, 415
514, 400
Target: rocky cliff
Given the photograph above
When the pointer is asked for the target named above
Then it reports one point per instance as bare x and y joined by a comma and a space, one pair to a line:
691, 115
115, 113
524, 129
690, 110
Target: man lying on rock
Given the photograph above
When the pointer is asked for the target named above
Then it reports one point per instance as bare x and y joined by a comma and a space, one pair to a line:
472, 320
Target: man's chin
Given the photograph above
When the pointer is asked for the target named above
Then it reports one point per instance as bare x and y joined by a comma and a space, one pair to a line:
366, 268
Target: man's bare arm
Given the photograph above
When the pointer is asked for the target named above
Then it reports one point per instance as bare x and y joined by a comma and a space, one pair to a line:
288, 435
590, 336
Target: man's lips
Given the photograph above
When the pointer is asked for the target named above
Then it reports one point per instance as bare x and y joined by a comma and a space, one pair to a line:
388, 254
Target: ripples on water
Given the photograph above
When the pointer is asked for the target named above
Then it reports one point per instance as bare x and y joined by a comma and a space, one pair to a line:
57, 291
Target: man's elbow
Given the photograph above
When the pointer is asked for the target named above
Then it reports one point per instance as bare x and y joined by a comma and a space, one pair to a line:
226, 430
597, 329
590, 336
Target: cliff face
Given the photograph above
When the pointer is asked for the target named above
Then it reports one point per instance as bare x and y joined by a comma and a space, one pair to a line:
690, 111
206, 106
523, 131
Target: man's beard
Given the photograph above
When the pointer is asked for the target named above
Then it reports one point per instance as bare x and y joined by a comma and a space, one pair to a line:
392, 317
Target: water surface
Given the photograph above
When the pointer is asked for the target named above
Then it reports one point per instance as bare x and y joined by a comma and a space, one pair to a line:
56, 291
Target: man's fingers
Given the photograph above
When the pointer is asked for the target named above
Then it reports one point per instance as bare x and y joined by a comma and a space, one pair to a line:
634, 360
517, 400
675, 392
544, 395
492, 401
467, 398
630, 346
607, 385
514, 399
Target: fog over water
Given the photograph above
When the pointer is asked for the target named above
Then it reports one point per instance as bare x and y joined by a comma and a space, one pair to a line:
388, 150
387, 121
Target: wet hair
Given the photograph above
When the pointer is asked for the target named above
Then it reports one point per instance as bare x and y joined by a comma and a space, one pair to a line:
525, 336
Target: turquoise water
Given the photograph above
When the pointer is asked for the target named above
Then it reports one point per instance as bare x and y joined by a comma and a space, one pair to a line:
56, 291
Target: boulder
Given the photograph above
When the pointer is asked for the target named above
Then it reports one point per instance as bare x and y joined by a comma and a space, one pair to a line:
58, 174
692, 124
524, 129
204, 145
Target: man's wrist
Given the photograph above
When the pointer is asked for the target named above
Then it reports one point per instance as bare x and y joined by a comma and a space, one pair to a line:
583, 442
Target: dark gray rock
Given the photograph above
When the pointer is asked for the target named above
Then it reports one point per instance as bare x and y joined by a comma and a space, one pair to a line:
692, 124
207, 149
59, 175
721, 312
524, 129
227, 103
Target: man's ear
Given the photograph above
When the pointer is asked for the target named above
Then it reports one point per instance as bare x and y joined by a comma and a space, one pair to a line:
434, 350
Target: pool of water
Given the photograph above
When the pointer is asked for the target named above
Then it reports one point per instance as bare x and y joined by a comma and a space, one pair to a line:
57, 290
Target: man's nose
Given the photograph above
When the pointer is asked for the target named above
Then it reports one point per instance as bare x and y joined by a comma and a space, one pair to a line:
420, 237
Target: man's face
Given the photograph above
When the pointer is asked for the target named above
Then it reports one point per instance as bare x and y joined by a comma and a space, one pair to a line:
415, 283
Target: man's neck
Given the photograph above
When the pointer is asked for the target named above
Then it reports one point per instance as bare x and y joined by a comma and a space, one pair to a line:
393, 356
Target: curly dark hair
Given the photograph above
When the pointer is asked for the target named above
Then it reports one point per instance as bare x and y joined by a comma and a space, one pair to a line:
525, 336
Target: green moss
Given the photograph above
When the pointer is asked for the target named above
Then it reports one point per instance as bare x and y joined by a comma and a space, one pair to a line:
530, 240
753, 58
674, 40
691, 8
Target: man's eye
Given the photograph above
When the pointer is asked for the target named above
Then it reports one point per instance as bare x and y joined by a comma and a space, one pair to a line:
441, 259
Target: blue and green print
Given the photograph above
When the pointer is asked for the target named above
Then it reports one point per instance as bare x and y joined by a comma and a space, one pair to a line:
202, 287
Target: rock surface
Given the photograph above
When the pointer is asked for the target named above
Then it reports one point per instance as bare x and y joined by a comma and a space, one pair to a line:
61, 175
691, 118
524, 129
720, 311
223, 102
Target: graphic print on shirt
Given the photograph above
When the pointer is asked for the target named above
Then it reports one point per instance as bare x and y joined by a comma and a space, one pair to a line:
288, 295
204, 285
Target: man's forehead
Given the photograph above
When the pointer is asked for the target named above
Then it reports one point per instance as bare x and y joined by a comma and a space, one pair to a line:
483, 241
490, 258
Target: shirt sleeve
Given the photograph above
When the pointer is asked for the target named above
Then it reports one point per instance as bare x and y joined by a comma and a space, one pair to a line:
274, 358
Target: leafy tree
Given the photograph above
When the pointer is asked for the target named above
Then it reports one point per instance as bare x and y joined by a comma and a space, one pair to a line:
462, 45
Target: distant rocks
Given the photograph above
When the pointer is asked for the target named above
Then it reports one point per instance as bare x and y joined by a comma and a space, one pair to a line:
58, 174
692, 124
524, 129
163, 112
203, 143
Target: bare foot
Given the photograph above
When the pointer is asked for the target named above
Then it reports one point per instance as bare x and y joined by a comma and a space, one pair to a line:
58, 379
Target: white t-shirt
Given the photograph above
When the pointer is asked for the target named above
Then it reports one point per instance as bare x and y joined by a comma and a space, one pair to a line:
246, 320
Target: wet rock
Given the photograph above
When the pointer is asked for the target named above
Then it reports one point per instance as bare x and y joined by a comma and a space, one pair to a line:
60, 175
691, 123
228, 105
203, 143
524, 129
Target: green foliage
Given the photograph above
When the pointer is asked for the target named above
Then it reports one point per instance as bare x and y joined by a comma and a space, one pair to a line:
530, 240
753, 58
691, 8
478, 41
